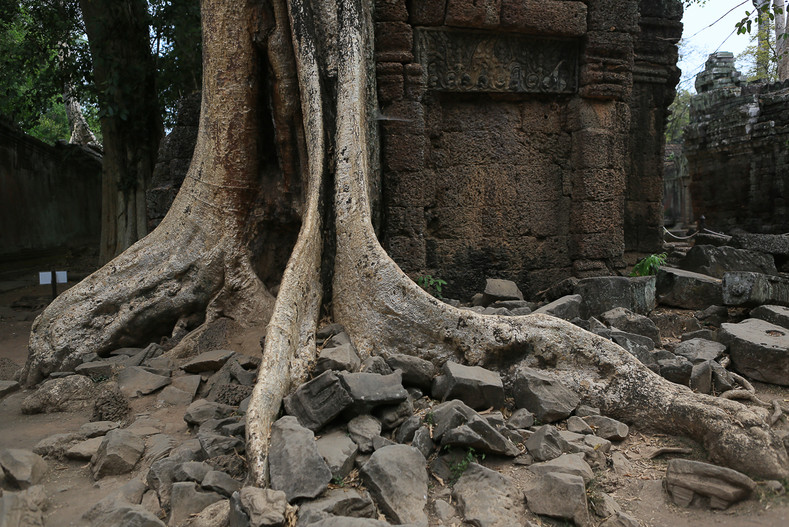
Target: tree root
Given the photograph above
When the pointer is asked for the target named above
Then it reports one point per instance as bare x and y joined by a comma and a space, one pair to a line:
385, 312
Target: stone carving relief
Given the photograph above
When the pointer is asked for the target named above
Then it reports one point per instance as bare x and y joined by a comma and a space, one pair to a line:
479, 61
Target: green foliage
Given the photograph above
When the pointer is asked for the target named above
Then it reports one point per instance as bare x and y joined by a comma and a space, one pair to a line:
432, 285
760, 63
649, 265
460, 467
679, 116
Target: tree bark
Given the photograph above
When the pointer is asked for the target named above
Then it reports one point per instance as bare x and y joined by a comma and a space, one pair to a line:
198, 258
80, 131
781, 41
125, 76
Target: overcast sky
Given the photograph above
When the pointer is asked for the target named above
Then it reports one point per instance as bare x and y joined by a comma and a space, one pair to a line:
700, 40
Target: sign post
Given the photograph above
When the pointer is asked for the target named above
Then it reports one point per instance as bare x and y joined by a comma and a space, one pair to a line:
54, 278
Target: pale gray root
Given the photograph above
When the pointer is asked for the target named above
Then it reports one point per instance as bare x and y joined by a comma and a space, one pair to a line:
385, 312
290, 338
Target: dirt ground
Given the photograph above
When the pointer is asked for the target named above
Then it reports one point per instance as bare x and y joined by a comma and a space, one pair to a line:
637, 486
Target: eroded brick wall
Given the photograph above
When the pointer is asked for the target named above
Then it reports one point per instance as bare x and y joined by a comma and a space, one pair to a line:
737, 147
493, 182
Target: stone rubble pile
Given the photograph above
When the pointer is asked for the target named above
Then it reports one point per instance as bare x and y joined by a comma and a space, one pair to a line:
397, 441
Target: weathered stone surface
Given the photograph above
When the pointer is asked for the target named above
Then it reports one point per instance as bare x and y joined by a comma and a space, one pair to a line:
97, 370
630, 322
742, 288
679, 288
497, 289
69, 394
607, 428
220, 482
22, 468
190, 471
521, 418
416, 371
778, 315
215, 515
567, 308
546, 443
7, 387
766, 243
637, 345
98, 428
677, 370
758, 349
376, 364
84, 450
181, 391
362, 429
699, 350
423, 441
405, 432
560, 496
685, 479
201, 411
477, 387
135, 381
338, 358
457, 424
542, 395
391, 416
716, 261
603, 293
187, 499
673, 324
295, 465
208, 361
347, 503
339, 452
23, 509
368, 390
565, 464
261, 507
397, 479
577, 425
701, 377
118, 453
488, 498
318, 401
219, 445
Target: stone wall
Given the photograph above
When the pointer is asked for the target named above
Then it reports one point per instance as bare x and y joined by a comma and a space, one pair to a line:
736, 147
506, 135
50, 197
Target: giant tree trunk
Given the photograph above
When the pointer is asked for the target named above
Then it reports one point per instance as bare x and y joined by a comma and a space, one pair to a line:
198, 258
124, 74
781, 40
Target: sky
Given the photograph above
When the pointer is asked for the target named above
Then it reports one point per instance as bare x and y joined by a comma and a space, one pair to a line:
699, 40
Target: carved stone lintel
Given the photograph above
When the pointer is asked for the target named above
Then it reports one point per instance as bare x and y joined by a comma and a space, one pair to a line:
479, 61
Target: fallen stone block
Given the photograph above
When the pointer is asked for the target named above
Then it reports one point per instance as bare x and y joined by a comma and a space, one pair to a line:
362, 430
338, 358
627, 321
208, 361
7, 387
201, 411
477, 387
346, 503
338, 451
22, 468
607, 428
754, 289
547, 443
318, 401
687, 290
758, 350
295, 465
603, 293
565, 464
543, 395
486, 497
688, 480
23, 509
775, 244
699, 350
567, 308
396, 477
497, 289
778, 315
416, 371
560, 496
135, 381
118, 453
68, 394
369, 390
187, 499
717, 261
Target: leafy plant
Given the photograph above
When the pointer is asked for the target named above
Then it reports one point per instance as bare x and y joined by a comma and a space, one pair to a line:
460, 467
431, 285
649, 265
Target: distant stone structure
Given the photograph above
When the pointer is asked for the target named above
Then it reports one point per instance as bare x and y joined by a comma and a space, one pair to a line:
50, 198
677, 206
523, 139
737, 147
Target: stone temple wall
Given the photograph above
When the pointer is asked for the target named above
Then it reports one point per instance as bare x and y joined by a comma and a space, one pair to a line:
522, 139
50, 198
737, 147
